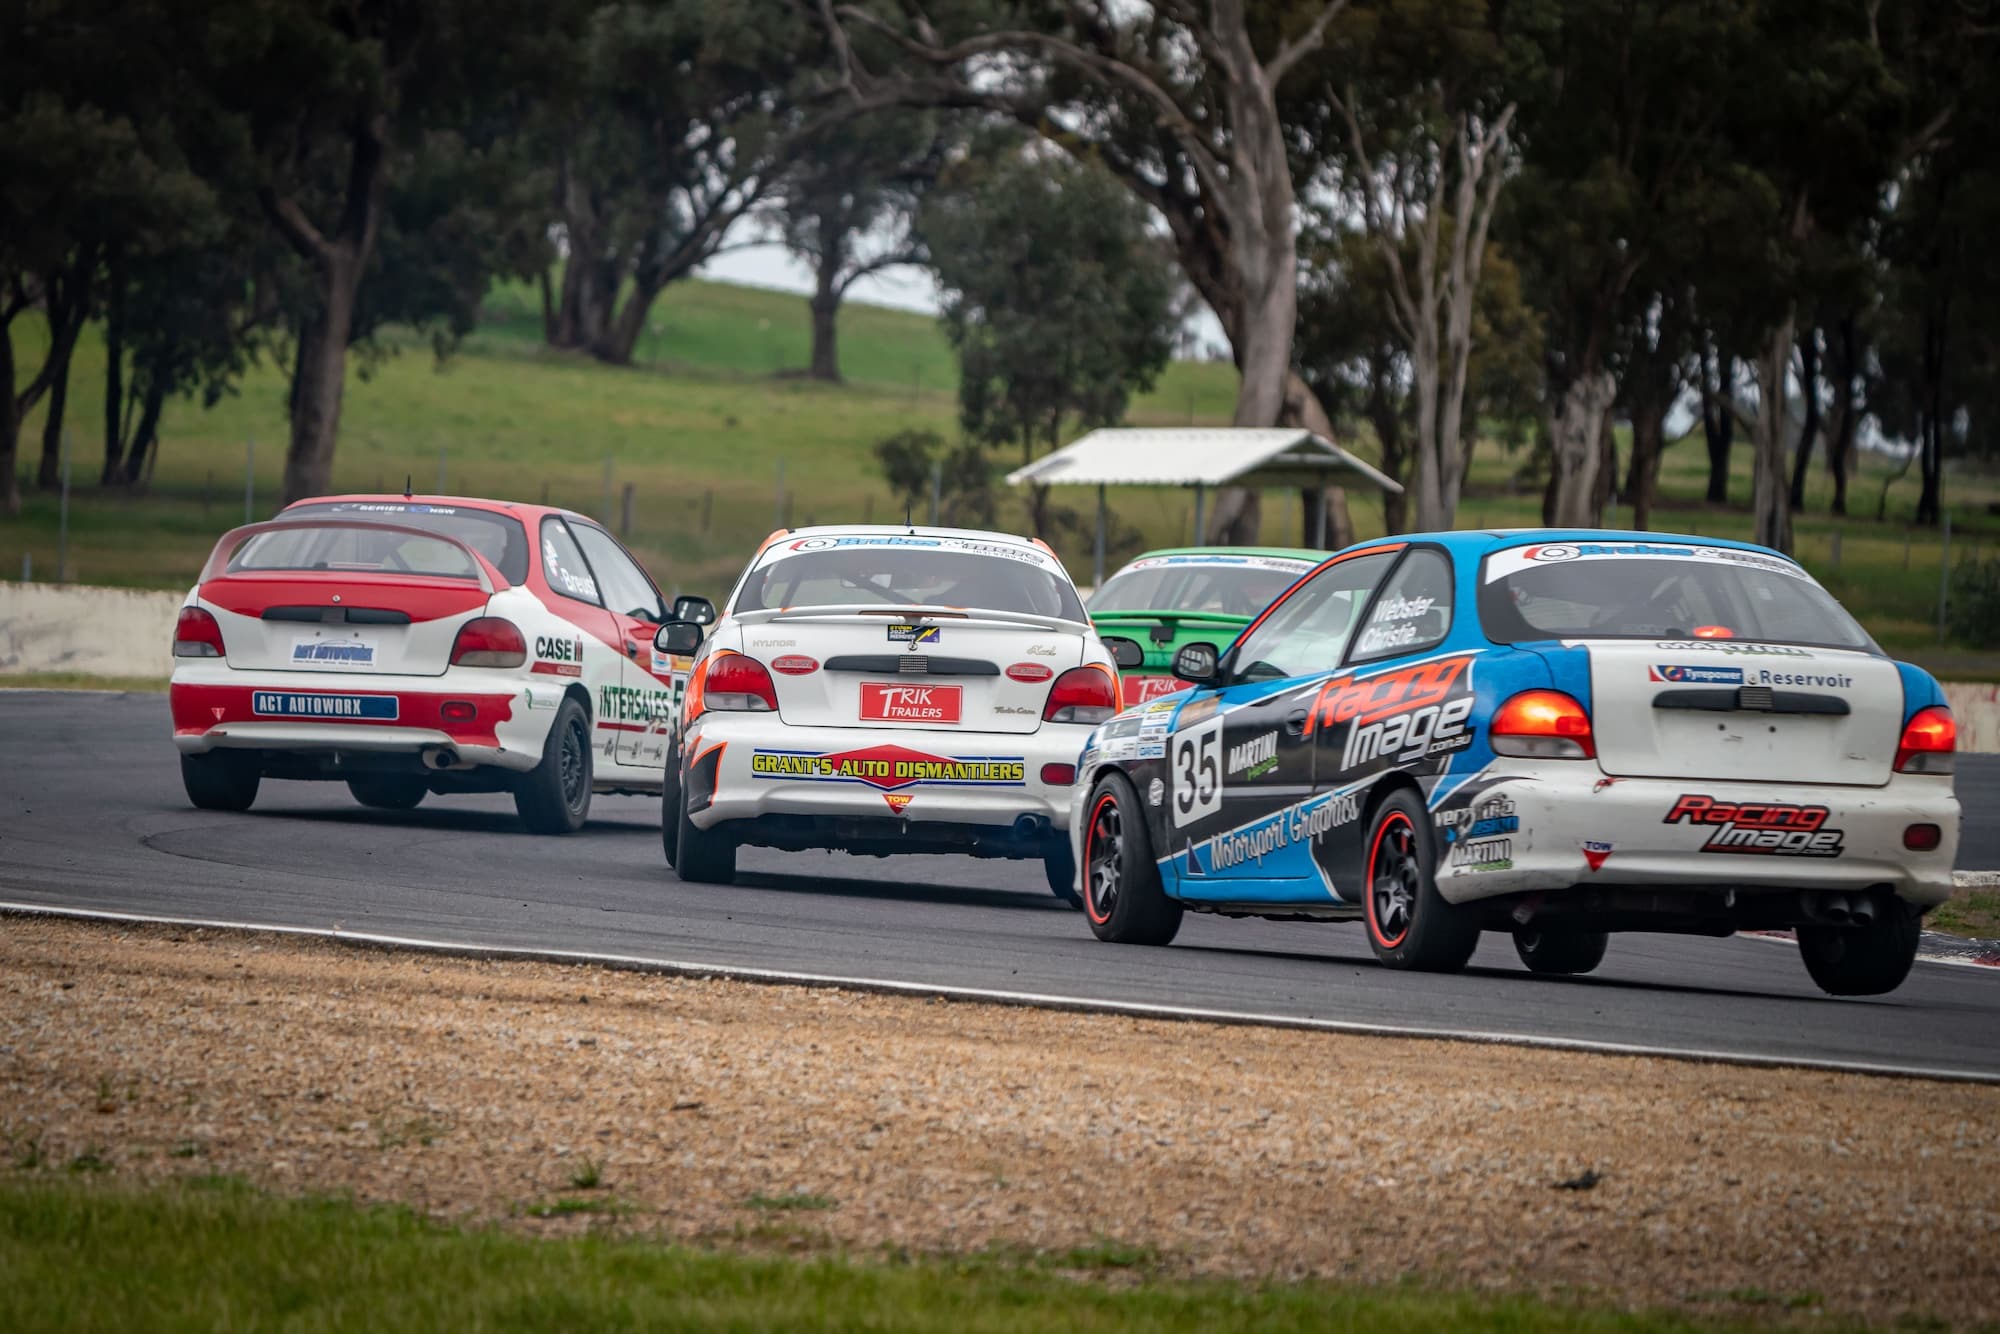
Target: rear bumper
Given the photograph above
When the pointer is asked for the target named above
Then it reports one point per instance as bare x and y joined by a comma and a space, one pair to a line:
745, 767
216, 708
1559, 825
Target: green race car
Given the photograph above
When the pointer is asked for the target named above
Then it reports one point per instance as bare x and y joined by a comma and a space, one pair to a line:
1183, 595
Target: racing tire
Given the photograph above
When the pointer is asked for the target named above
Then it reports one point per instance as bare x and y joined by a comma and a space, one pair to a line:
554, 796
1561, 950
1869, 960
670, 810
1410, 925
698, 856
390, 792
221, 780
1122, 895
1059, 865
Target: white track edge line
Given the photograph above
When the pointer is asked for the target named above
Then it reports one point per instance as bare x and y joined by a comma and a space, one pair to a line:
1025, 999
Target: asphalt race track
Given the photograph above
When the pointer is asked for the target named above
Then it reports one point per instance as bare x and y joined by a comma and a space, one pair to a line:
92, 816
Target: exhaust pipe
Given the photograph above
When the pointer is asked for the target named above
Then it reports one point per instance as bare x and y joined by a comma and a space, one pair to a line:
442, 758
1863, 909
1831, 909
1030, 826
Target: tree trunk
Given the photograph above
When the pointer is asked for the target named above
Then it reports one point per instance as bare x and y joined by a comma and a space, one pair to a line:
1607, 467
1930, 500
551, 325
145, 442
68, 304
1324, 508
1846, 411
1576, 442
10, 421
618, 342
1649, 429
1718, 424
825, 336
52, 428
1770, 503
321, 377
1809, 428
1385, 415
825, 303
114, 372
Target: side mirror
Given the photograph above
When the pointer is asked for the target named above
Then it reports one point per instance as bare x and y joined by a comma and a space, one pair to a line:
1196, 663
1125, 652
680, 638
699, 611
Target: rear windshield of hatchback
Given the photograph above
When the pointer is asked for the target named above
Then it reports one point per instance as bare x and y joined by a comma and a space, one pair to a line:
498, 537
1657, 591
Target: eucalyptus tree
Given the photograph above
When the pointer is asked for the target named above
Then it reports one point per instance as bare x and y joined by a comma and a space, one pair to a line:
1182, 102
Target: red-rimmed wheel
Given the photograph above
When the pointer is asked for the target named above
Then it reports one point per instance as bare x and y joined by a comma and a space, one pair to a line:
1410, 925
1122, 895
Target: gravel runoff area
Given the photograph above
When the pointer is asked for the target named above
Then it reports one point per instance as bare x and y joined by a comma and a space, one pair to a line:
563, 1097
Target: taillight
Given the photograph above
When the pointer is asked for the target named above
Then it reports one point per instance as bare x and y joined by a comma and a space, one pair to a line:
489, 641
733, 681
196, 635
1086, 694
1929, 739
1543, 725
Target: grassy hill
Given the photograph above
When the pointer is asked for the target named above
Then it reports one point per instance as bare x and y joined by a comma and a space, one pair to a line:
702, 425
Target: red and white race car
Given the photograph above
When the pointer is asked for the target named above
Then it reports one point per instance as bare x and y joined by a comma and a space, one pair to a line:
417, 644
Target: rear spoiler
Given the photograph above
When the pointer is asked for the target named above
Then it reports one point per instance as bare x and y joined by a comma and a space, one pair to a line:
850, 612
490, 579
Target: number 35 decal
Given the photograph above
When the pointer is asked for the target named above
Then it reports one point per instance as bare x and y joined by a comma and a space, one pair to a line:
1197, 770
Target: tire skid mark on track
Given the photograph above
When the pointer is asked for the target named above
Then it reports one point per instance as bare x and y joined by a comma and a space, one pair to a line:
1033, 1000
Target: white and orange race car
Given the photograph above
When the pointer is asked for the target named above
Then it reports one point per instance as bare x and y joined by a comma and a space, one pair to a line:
415, 644
887, 690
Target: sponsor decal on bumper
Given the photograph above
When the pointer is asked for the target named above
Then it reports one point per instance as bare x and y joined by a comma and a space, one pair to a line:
1775, 829
887, 768
303, 704
882, 703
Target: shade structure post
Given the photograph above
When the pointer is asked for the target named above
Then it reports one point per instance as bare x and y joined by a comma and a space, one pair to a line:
1097, 561
1319, 520
1200, 495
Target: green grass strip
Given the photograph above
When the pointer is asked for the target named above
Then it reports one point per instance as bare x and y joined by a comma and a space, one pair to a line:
79, 1253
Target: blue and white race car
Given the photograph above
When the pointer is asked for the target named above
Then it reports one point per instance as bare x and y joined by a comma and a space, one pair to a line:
1557, 734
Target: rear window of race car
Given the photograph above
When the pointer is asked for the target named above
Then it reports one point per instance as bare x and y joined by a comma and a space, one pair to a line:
1239, 589
1584, 590
939, 574
498, 537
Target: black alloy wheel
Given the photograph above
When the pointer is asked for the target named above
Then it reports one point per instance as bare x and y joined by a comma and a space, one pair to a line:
1410, 924
554, 797
1122, 895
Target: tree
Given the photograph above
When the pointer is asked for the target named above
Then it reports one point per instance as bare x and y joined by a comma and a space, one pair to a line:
336, 100
1938, 354
671, 122
1427, 134
1350, 350
77, 177
847, 209
1179, 102
1055, 298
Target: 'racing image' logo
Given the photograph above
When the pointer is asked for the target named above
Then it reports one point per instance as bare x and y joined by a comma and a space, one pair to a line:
1768, 828
1399, 715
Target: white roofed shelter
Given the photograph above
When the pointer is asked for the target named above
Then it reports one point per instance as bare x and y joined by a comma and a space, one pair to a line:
1199, 457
